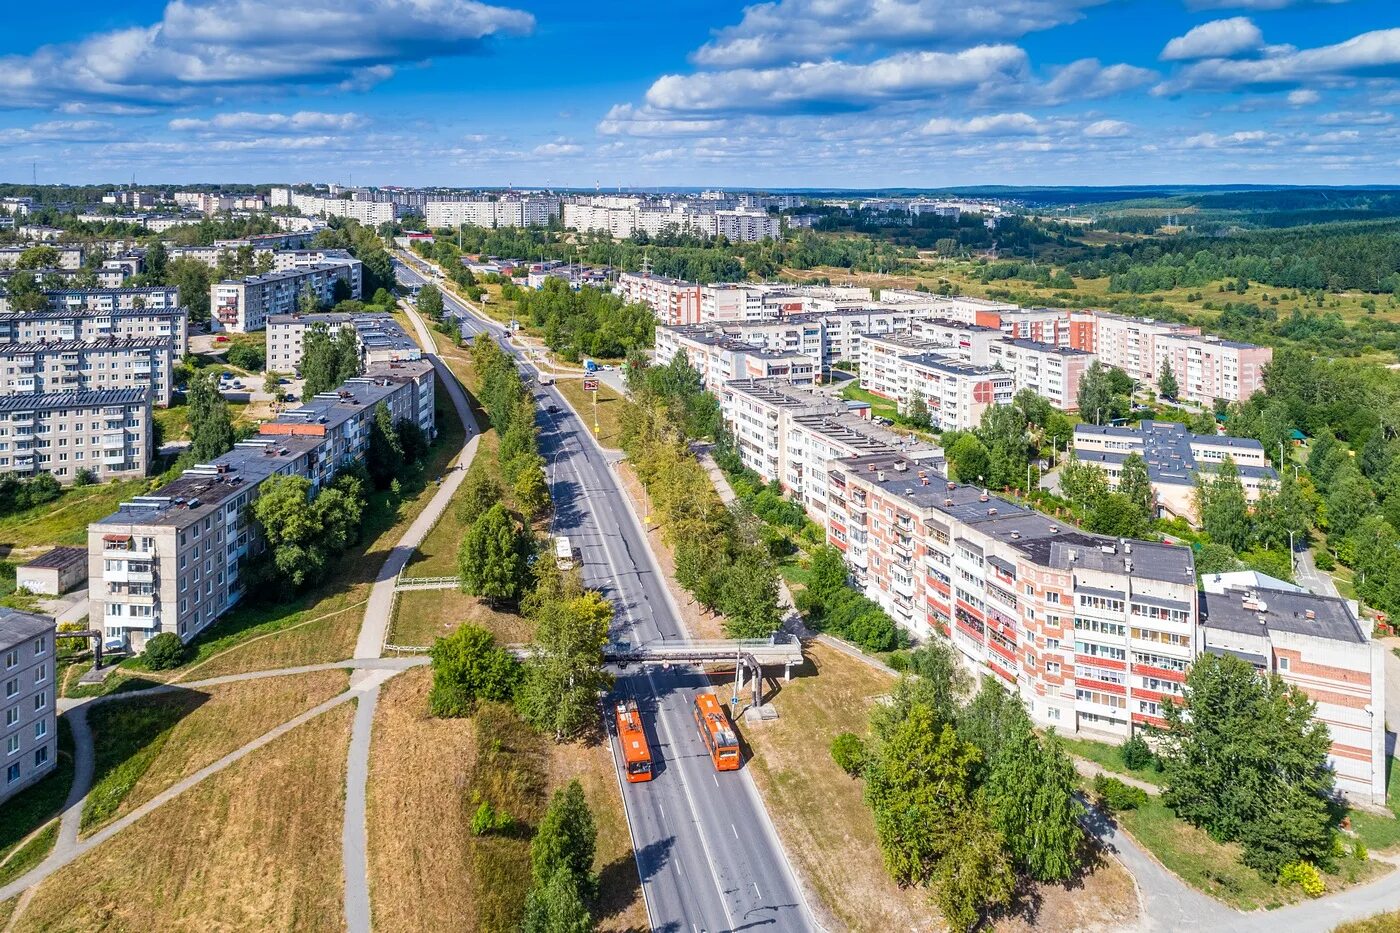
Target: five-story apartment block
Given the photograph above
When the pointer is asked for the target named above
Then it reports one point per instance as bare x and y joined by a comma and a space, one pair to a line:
30, 729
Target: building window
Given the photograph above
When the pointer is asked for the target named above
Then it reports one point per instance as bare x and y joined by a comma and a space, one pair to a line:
11, 658
40, 673
41, 699
39, 646
12, 744
11, 716
1283, 664
12, 773
11, 687
41, 728
41, 756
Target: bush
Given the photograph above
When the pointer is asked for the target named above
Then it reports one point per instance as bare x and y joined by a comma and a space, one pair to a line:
1324, 560
247, 357
898, 661
84, 477
165, 651
487, 819
849, 752
1115, 796
1136, 753
1305, 875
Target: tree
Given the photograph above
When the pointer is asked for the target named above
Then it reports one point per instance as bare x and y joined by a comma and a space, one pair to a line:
975, 873
248, 357
164, 651
309, 301
1135, 483
1082, 482
566, 840
918, 411
211, 426
1246, 761
1116, 515
1349, 500
1030, 795
848, 751
328, 360
24, 293
1281, 509
935, 681
303, 533
1216, 558
272, 385
1166, 381
479, 491
557, 906
469, 666
1095, 396
1034, 408
491, 558
970, 460
38, 257
430, 301
1221, 504
826, 572
564, 675
384, 455
531, 491
749, 596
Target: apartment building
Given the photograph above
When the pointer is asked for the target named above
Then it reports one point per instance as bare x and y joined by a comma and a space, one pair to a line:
81, 323
745, 226
363, 209
983, 312
491, 212
106, 432
1175, 458
379, 337
1317, 644
108, 363
154, 298
244, 305
1207, 368
955, 392
31, 724
69, 257
1046, 325
672, 300
288, 260
1129, 343
971, 342
1091, 632
720, 357
788, 433
1050, 371
882, 368
170, 561
114, 272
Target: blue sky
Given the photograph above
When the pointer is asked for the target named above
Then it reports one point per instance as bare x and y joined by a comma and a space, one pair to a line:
788, 93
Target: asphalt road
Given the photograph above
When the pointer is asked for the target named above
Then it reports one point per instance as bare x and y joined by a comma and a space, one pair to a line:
708, 856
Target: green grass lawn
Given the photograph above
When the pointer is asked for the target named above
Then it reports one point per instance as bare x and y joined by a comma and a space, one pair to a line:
879, 407
65, 520
36, 805
609, 408
128, 736
1376, 831
1109, 758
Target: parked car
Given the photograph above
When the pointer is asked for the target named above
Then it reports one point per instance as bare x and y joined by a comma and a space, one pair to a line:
222, 338
553, 409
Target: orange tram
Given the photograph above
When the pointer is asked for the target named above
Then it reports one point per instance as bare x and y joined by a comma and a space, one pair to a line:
719, 736
635, 751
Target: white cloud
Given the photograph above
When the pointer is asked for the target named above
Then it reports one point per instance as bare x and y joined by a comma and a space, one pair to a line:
300, 122
787, 31
1106, 129
1219, 38
1284, 66
836, 84
1357, 118
203, 47
1229, 140
1303, 96
559, 147
626, 120
997, 124
1087, 79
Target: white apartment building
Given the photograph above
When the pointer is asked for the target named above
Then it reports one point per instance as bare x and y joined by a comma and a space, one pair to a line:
69, 365
30, 699
1050, 371
1175, 458
1207, 368
719, 357
170, 561
106, 432
528, 211
970, 342
882, 368
672, 300
368, 212
1317, 644
379, 337
244, 305
955, 392
744, 226
1130, 343
79, 323
290, 260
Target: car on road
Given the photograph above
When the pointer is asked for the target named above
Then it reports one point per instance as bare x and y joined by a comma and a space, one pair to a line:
553, 409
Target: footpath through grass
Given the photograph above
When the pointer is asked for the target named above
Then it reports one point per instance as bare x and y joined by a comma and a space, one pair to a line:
36, 805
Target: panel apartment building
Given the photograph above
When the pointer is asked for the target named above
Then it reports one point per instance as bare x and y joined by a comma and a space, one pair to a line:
171, 561
81, 323
720, 357
379, 337
106, 431
244, 305
1175, 457
1050, 371
31, 727
1207, 368
68, 365
673, 301
956, 392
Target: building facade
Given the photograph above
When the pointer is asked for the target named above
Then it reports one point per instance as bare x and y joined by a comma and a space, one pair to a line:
672, 300
31, 725
88, 324
71, 365
243, 305
1050, 371
105, 432
379, 337
1208, 368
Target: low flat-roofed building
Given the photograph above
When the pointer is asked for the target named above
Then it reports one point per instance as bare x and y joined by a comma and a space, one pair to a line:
1317, 644
30, 727
106, 432
1175, 457
54, 572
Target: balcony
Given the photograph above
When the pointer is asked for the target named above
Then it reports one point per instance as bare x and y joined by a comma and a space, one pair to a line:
113, 457
22, 419
23, 434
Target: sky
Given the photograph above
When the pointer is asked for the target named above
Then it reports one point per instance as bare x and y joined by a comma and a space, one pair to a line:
781, 94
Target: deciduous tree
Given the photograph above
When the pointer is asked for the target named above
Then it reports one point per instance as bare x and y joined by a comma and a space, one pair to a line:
491, 558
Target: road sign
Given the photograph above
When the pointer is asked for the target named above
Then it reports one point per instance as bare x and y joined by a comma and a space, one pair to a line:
590, 385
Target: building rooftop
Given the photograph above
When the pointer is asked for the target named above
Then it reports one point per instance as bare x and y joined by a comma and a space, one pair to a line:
267, 277
953, 366
904, 341
784, 394
81, 398
17, 627
1254, 612
866, 437
1167, 446
60, 558
1041, 347
74, 346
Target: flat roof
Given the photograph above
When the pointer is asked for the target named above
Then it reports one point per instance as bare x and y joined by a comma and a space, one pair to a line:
59, 558
1254, 612
80, 398
1167, 446
1042, 347
17, 626
286, 273
36, 348
784, 394
953, 366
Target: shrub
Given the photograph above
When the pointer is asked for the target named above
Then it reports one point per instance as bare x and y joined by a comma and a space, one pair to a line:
1305, 875
898, 661
1324, 560
84, 477
487, 819
849, 752
164, 652
1136, 753
1358, 850
1115, 796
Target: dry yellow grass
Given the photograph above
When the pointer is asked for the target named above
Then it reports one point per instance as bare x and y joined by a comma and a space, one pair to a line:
220, 720
608, 410
419, 836
255, 847
420, 616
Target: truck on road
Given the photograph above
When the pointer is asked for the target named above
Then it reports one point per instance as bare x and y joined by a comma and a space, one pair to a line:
563, 553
